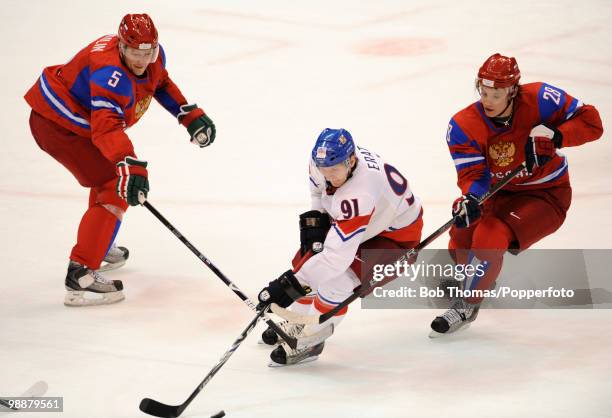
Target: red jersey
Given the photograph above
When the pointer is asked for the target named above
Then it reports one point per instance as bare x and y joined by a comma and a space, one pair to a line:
96, 96
484, 152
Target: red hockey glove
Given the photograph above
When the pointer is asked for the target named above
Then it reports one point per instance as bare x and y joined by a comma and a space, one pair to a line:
541, 146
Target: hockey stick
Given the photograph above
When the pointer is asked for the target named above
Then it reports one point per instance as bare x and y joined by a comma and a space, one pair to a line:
158, 409
291, 341
7, 405
359, 291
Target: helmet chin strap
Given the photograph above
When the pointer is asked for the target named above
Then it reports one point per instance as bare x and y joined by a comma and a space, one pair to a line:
122, 48
505, 108
350, 169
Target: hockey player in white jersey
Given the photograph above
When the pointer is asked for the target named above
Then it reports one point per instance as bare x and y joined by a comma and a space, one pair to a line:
359, 202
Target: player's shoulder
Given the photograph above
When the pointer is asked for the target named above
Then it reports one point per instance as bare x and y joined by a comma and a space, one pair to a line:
465, 124
104, 49
363, 187
315, 176
543, 97
106, 69
370, 170
114, 79
531, 89
161, 58
467, 115
371, 161
375, 174
538, 91
352, 199
104, 56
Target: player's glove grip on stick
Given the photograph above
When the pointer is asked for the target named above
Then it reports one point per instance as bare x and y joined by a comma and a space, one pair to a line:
200, 127
541, 146
466, 210
132, 180
282, 291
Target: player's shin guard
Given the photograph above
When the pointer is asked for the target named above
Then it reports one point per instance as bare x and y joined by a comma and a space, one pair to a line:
97, 232
490, 241
323, 305
486, 266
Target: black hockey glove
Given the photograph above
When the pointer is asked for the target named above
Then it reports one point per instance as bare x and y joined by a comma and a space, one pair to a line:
314, 226
542, 146
282, 291
466, 210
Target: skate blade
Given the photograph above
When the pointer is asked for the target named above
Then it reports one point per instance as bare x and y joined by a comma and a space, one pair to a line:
261, 343
82, 298
111, 266
308, 360
436, 334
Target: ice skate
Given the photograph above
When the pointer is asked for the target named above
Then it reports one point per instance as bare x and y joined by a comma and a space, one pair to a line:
459, 316
283, 355
115, 258
85, 287
270, 337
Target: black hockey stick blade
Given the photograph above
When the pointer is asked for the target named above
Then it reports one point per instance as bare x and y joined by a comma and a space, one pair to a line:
7, 405
158, 409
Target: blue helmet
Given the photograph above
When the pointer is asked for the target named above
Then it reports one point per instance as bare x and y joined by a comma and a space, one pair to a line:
333, 146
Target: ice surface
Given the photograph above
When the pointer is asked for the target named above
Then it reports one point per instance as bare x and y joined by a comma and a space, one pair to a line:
272, 75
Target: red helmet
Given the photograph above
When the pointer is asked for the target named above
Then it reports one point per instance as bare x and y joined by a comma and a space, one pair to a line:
499, 71
138, 31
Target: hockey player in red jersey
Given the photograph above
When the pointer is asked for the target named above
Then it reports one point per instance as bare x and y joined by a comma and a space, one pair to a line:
359, 203
80, 112
512, 123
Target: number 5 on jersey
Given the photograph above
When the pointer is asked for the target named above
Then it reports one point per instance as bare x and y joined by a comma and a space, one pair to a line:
114, 79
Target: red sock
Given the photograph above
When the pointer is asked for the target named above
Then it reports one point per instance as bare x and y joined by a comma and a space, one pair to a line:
97, 232
323, 306
489, 243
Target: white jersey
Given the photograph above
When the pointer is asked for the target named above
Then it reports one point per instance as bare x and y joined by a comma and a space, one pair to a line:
375, 200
